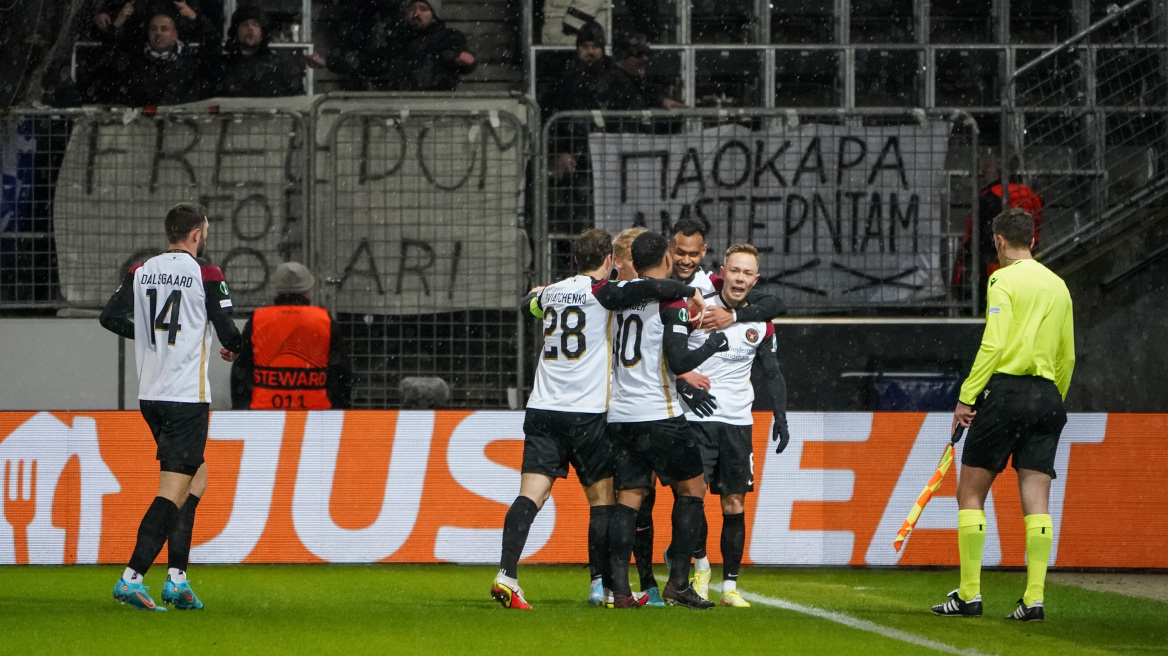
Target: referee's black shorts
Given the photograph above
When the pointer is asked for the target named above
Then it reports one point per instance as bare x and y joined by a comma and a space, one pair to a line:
1019, 416
180, 431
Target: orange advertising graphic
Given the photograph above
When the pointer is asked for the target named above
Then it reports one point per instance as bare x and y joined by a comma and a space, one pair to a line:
388, 486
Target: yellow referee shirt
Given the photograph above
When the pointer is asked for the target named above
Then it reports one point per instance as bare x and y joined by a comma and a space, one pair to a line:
1029, 329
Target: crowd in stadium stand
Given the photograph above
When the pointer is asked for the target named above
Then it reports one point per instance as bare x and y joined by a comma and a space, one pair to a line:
164, 52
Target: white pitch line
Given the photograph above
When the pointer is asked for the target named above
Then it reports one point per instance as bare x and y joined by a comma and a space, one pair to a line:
857, 623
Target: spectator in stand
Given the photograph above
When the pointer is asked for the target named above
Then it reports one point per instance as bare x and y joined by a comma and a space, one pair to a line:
128, 20
989, 206
163, 71
628, 86
578, 88
249, 67
423, 54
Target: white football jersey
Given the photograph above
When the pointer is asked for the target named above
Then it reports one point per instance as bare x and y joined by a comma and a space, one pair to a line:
574, 372
644, 388
172, 330
702, 281
729, 371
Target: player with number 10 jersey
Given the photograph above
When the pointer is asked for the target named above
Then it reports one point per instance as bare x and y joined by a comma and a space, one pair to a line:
565, 420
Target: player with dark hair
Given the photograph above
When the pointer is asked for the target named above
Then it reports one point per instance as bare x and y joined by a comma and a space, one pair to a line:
1012, 403
565, 419
168, 305
688, 246
649, 432
725, 436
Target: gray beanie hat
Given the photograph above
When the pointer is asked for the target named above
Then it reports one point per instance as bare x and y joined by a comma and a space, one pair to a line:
435, 6
292, 278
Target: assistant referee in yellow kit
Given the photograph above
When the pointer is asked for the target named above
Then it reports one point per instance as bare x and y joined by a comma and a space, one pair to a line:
1012, 403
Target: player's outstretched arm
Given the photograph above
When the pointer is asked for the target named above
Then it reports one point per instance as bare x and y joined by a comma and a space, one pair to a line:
118, 314
615, 297
761, 307
675, 341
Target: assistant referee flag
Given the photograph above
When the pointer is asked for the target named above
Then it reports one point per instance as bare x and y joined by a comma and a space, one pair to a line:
1029, 329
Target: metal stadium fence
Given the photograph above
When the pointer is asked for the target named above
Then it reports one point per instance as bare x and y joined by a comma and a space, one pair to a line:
1087, 126
852, 209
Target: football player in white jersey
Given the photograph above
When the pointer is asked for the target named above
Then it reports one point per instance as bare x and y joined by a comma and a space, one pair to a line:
649, 432
688, 248
167, 305
724, 436
565, 419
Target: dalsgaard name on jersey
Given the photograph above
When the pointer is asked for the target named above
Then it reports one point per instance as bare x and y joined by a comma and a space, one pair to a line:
575, 368
729, 371
174, 298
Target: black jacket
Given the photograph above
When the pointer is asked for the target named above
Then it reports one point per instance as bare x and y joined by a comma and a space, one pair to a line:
407, 61
132, 76
265, 73
340, 374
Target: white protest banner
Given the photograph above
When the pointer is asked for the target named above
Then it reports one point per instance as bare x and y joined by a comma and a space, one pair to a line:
122, 172
426, 218
843, 215
426, 213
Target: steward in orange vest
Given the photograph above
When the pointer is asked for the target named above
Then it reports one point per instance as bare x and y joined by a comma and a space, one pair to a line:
293, 355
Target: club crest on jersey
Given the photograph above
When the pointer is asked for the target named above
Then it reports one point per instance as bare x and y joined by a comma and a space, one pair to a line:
751, 335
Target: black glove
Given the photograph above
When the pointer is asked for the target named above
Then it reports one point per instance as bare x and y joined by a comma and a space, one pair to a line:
717, 342
698, 400
779, 432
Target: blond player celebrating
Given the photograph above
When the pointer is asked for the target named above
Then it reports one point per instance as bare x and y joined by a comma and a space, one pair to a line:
724, 437
1012, 403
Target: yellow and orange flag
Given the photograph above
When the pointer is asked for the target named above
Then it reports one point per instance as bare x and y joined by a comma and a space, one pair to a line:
927, 493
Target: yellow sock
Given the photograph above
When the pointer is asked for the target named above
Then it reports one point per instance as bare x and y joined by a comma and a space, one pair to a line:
970, 542
1039, 535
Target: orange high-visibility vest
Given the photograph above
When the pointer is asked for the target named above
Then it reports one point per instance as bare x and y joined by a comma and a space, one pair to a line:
291, 347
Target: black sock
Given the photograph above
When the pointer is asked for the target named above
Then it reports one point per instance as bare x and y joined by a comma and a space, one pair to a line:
622, 531
598, 519
733, 543
700, 550
643, 543
516, 525
178, 543
156, 525
687, 523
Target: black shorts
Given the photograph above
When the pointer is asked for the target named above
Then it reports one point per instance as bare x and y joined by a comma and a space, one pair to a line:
552, 439
727, 456
665, 447
1021, 416
180, 431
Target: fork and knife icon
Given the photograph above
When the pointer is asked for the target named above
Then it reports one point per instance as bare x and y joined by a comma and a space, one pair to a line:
20, 504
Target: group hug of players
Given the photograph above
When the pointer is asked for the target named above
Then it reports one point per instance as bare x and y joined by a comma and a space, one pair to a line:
642, 379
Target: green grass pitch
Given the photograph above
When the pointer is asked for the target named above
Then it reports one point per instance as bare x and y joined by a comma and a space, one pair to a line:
392, 609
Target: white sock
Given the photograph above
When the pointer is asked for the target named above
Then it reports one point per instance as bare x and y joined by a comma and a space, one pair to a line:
729, 586
130, 576
702, 564
503, 578
176, 575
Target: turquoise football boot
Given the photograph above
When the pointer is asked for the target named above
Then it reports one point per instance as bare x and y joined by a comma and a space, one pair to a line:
135, 595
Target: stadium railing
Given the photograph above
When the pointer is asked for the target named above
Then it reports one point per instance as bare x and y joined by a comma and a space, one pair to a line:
860, 209
1087, 124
